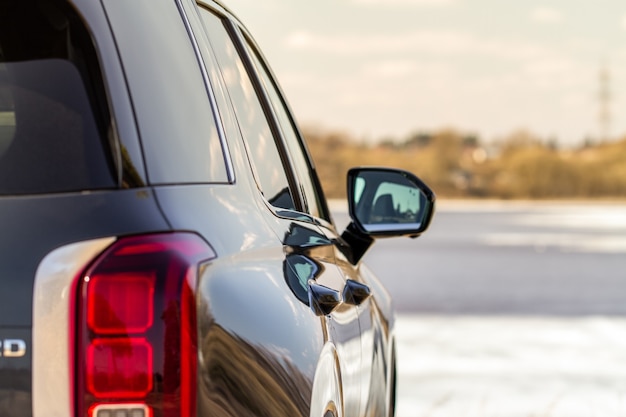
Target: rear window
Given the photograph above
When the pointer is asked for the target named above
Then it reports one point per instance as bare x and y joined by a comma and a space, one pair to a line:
54, 122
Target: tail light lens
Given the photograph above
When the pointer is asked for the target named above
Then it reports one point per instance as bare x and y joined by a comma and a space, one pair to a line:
136, 336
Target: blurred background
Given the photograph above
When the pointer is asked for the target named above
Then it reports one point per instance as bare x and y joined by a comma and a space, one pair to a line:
513, 303
457, 90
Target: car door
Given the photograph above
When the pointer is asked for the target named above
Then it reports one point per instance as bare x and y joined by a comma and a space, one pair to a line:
373, 374
291, 202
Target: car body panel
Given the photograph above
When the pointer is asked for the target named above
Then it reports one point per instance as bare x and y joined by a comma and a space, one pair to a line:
243, 290
182, 163
45, 224
15, 373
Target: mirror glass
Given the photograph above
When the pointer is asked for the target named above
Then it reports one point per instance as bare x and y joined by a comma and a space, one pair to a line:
387, 201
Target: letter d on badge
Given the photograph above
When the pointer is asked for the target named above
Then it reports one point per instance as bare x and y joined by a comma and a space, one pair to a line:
13, 348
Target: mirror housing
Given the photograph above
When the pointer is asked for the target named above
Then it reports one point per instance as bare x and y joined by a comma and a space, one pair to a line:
385, 202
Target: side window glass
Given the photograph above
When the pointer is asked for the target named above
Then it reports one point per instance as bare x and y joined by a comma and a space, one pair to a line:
178, 128
255, 129
300, 159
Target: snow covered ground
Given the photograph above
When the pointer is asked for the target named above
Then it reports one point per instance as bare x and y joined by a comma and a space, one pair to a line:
510, 309
496, 366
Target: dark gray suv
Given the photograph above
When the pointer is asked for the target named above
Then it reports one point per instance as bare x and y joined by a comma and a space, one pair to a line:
166, 247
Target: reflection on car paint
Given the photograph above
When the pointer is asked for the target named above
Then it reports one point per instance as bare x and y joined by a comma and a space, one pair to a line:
234, 367
298, 270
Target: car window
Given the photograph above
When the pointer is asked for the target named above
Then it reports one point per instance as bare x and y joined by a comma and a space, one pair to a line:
177, 124
262, 149
54, 119
290, 134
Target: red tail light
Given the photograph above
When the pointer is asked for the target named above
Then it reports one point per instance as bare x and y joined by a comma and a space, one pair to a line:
136, 338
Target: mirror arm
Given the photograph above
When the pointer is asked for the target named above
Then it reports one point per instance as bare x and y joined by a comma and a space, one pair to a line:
358, 241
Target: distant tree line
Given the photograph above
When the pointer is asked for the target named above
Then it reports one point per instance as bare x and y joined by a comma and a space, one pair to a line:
457, 165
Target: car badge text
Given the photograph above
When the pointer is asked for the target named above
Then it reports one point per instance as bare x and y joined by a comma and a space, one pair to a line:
12, 348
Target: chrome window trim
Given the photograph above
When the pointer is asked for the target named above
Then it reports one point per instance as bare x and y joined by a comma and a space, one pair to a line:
230, 172
53, 304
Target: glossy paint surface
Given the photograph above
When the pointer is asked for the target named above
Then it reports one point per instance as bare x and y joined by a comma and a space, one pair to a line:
264, 347
45, 224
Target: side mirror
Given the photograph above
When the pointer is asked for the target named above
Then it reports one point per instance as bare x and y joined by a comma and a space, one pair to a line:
385, 202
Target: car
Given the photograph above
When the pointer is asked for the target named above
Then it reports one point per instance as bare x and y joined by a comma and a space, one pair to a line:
167, 249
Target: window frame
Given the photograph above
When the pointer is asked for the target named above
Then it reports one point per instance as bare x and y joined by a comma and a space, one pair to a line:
225, 19
240, 35
290, 174
199, 126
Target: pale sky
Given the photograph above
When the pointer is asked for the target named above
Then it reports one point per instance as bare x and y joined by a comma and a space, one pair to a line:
379, 68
